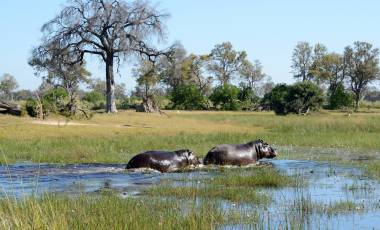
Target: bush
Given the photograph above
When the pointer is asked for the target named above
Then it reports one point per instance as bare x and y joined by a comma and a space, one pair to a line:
31, 107
225, 97
277, 99
55, 100
340, 98
297, 98
304, 96
129, 103
187, 97
248, 99
96, 99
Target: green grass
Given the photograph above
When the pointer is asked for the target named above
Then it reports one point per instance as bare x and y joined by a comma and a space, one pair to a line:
234, 194
116, 138
255, 177
235, 185
105, 212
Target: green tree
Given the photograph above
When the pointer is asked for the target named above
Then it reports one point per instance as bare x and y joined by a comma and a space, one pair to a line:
247, 97
331, 69
225, 63
298, 98
187, 97
277, 99
225, 97
340, 98
362, 68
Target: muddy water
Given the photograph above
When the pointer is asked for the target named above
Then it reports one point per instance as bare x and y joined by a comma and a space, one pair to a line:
326, 184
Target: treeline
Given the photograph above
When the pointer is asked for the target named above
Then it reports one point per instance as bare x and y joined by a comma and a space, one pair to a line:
223, 79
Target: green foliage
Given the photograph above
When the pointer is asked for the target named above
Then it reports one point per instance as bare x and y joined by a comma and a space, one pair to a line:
340, 98
297, 98
187, 96
95, 98
248, 99
225, 97
55, 100
129, 103
31, 107
304, 96
276, 99
225, 62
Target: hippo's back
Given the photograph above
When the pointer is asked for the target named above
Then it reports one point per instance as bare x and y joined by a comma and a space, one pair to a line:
159, 160
235, 154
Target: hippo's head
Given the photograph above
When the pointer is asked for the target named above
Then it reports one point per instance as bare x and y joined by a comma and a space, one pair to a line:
188, 154
263, 149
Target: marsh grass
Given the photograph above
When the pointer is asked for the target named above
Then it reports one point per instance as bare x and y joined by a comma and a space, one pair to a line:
239, 195
264, 177
105, 212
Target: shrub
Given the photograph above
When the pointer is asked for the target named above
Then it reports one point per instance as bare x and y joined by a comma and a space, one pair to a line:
187, 96
304, 96
31, 107
55, 100
276, 99
248, 99
297, 98
96, 99
225, 97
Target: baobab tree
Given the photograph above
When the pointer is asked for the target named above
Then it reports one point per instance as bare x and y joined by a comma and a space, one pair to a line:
110, 29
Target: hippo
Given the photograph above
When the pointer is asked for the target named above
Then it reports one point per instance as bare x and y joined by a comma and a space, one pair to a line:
163, 161
240, 154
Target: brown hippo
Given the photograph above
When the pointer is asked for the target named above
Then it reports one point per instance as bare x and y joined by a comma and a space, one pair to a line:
241, 154
163, 161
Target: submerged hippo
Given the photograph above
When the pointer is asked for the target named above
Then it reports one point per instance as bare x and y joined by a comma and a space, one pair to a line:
241, 154
163, 161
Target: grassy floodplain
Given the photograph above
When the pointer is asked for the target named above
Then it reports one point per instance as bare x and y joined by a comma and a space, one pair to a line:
326, 136
116, 138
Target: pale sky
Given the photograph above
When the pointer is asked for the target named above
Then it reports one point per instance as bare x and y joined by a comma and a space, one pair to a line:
267, 30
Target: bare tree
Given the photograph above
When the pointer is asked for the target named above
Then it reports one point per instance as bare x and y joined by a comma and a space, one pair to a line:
302, 60
110, 29
225, 62
193, 69
362, 67
252, 73
8, 83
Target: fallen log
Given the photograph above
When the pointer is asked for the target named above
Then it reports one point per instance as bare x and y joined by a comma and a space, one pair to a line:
10, 108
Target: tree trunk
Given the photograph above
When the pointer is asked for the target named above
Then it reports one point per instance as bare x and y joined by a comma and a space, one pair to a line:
357, 99
110, 104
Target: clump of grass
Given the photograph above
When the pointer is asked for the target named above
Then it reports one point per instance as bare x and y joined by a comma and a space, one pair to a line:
256, 177
105, 212
238, 195
373, 169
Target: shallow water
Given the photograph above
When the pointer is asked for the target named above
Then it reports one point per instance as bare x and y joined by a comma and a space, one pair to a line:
326, 184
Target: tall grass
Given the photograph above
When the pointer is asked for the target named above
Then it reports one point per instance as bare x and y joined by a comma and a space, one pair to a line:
105, 212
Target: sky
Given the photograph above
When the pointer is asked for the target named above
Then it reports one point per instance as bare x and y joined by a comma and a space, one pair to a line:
266, 30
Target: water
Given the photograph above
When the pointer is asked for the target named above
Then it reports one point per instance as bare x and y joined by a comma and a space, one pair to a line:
326, 184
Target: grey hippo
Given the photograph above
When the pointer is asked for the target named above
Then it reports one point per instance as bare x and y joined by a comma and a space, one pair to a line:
240, 154
163, 161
